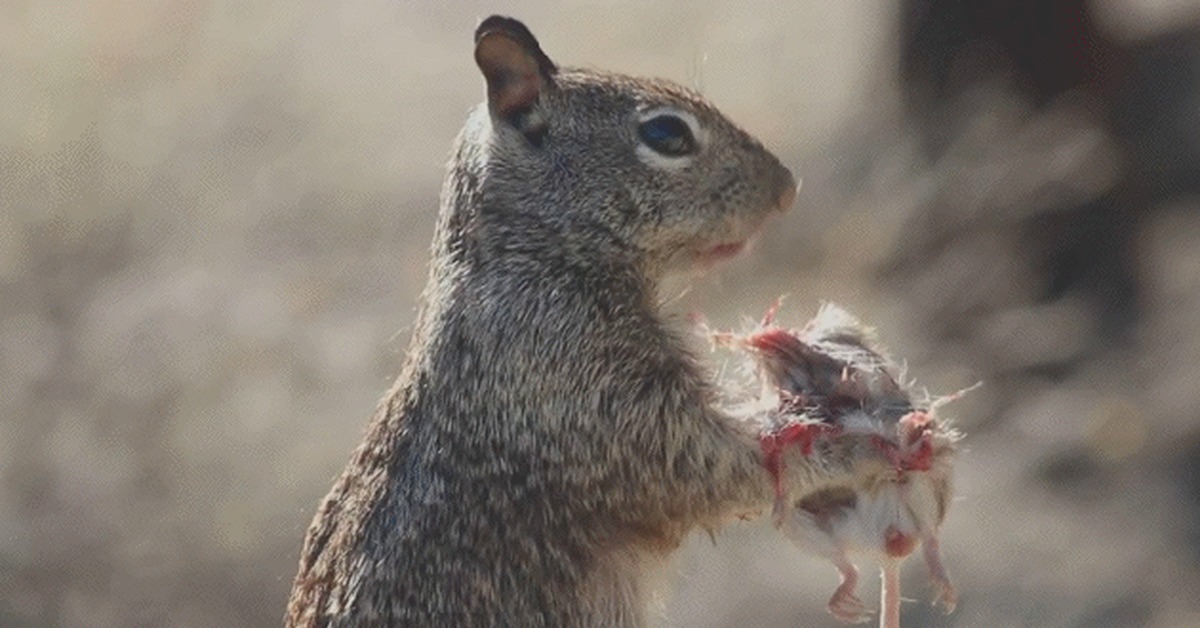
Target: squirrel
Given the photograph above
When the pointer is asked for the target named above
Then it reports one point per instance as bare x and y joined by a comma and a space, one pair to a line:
551, 437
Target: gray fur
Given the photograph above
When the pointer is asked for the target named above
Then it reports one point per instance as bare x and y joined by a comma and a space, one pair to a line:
550, 438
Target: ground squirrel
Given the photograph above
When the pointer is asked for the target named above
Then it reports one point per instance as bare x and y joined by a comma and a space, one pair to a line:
550, 437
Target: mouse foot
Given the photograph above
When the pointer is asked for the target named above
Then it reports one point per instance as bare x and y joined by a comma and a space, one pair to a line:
946, 596
844, 604
846, 607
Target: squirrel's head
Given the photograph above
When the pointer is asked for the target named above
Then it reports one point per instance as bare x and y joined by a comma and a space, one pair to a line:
640, 166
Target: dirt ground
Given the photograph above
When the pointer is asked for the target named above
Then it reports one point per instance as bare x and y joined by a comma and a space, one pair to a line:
214, 225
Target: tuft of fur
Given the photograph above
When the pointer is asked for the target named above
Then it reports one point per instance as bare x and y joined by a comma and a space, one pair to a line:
550, 440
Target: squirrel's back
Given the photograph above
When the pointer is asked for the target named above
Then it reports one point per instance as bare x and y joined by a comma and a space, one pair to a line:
549, 438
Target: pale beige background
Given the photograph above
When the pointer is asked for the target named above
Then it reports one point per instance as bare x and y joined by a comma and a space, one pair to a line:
214, 221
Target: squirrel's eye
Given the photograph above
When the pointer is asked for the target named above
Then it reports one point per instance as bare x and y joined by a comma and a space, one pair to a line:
668, 135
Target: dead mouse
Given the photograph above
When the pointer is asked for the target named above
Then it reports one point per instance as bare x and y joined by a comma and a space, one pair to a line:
835, 382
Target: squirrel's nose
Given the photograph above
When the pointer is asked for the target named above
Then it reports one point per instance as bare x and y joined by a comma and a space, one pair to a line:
786, 188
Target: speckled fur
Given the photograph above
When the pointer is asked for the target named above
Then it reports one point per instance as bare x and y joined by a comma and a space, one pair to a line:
550, 440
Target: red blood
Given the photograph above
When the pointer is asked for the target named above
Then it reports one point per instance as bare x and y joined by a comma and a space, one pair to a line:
773, 461
917, 429
898, 544
916, 453
775, 340
802, 433
922, 458
890, 450
774, 443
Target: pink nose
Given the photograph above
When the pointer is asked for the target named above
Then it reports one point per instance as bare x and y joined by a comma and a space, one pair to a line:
787, 190
787, 198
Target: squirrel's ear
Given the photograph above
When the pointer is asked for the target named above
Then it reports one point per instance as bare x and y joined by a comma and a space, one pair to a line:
516, 69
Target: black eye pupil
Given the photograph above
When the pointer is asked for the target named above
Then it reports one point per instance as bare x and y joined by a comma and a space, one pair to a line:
668, 135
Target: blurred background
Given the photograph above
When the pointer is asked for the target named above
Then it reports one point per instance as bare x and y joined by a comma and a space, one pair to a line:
214, 225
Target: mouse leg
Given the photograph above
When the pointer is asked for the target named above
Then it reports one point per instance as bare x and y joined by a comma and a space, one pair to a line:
947, 596
817, 533
844, 604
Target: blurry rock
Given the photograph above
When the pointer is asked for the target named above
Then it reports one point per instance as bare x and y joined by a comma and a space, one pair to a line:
1033, 336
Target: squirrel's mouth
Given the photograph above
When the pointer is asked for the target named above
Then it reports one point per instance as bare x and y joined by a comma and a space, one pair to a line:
709, 256
723, 251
